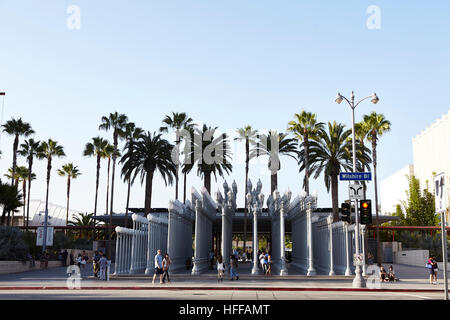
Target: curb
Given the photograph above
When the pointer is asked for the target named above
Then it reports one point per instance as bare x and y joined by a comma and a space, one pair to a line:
17, 288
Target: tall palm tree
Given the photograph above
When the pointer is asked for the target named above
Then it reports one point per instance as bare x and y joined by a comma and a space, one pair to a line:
10, 199
274, 145
115, 122
150, 153
176, 122
108, 154
16, 128
376, 125
50, 149
96, 148
13, 177
330, 155
212, 155
189, 149
248, 135
132, 133
72, 172
305, 128
83, 220
30, 149
361, 131
24, 175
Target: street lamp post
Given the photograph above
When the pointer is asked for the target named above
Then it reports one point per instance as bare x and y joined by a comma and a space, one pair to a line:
358, 281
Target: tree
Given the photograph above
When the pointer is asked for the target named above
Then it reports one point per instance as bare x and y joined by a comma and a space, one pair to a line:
72, 172
376, 125
305, 127
24, 176
30, 149
108, 154
83, 220
96, 148
176, 122
419, 208
274, 145
16, 128
132, 133
150, 153
330, 155
50, 149
248, 135
10, 199
212, 155
115, 122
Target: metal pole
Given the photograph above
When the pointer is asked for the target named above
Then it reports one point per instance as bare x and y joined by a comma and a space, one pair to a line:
444, 252
358, 281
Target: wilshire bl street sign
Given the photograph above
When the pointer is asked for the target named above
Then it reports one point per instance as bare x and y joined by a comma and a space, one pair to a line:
355, 176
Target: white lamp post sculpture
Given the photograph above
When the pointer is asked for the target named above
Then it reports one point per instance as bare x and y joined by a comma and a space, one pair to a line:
358, 281
282, 204
255, 202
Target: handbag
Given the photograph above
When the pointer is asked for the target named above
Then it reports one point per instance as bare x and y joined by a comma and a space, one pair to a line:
429, 266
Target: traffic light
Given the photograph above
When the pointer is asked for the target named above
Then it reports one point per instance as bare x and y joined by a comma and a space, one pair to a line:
365, 212
345, 210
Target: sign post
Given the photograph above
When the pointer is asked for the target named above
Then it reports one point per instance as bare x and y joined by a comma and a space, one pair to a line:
440, 197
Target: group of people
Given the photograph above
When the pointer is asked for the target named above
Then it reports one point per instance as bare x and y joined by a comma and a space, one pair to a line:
386, 276
100, 263
221, 268
265, 262
433, 269
162, 265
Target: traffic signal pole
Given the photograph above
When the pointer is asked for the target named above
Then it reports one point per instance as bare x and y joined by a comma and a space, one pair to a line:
444, 252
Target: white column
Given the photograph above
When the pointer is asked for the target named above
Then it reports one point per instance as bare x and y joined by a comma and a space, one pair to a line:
311, 270
283, 269
255, 269
348, 271
330, 226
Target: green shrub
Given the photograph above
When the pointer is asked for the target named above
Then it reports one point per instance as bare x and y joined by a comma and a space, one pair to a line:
12, 244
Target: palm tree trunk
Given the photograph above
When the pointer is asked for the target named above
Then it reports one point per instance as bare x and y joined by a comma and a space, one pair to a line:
30, 165
176, 173
49, 169
97, 178
335, 197
68, 196
24, 191
148, 192
107, 185
305, 138
247, 161
14, 164
374, 159
128, 201
207, 181
113, 173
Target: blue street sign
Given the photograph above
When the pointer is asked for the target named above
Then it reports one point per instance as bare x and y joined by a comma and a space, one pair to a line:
357, 176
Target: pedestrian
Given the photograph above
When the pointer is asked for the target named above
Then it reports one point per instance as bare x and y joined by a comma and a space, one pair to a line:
166, 264
435, 270
430, 268
233, 268
72, 258
95, 262
261, 261
269, 264
211, 260
391, 274
44, 260
158, 267
383, 274
220, 268
64, 257
103, 266
79, 259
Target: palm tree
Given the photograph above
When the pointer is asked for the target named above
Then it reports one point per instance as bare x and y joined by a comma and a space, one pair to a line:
376, 125
50, 149
115, 122
83, 220
30, 149
273, 145
248, 135
72, 172
132, 133
189, 149
16, 128
330, 155
10, 199
96, 148
177, 122
150, 153
13, 177
212, 155
24, 176
305, 128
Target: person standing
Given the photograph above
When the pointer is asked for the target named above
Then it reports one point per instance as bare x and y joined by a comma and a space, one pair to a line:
95, 262
233, 268
269, 264
64, 257
220, 268
103, 265
166, 264
158, 267
435, 270
261, 261
72, 258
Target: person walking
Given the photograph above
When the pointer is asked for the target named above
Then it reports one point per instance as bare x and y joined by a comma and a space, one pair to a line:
435, 270
261, 261
103, 265
233, 268
166, 264
269, 264
158, 267
72, 258
220, 268
95, 262
430, 269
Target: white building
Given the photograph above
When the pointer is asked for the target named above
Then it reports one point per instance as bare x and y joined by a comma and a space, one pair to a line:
393, 189
56, 213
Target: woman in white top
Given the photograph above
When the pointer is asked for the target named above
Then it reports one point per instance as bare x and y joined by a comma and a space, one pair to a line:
220, 268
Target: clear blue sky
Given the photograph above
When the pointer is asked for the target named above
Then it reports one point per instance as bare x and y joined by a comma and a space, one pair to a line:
225, 63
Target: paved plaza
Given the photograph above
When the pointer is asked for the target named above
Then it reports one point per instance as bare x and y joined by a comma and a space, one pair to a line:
52, 284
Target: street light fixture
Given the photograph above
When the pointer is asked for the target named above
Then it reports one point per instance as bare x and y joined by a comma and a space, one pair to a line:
358, 281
